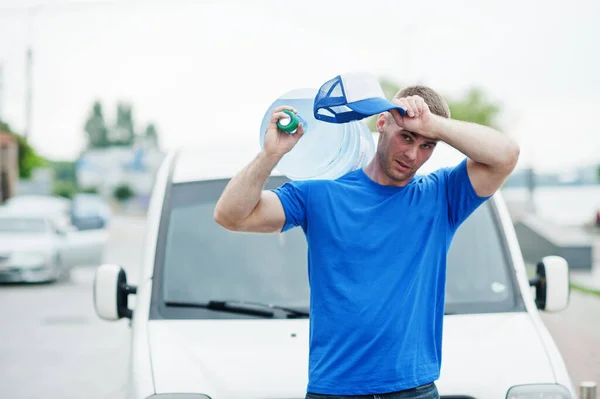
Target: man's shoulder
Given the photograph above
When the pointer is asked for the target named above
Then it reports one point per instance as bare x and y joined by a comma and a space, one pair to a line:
441, 173
350, 178
437, 176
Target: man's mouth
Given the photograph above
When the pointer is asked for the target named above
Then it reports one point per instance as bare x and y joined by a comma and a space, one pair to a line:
402, 165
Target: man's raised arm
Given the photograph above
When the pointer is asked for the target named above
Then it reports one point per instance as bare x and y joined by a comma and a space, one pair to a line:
492, 156
244, 205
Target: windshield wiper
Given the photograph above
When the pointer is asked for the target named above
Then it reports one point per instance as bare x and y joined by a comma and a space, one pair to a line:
241, 307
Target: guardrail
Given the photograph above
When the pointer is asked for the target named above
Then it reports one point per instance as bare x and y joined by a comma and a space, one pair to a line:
538, 238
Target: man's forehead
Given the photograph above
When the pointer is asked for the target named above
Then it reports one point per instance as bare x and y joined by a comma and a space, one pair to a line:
419, 137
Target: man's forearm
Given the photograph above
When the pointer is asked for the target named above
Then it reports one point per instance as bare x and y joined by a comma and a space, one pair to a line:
480, 143
242, 194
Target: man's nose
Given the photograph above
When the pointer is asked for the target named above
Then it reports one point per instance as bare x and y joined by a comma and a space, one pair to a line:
411, 153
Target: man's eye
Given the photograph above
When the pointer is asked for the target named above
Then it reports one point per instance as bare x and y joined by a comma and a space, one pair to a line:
406, 138
426, 146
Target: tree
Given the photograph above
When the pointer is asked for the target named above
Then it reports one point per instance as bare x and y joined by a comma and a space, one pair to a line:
123, 133
123, 192
598, 173
64, 189
151, 135
64, 171
29, 159
95, 128
475, 107
101, 134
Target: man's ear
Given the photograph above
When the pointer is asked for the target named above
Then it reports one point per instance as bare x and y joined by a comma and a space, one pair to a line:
381, 119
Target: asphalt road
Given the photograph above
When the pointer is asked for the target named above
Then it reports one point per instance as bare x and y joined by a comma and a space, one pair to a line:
52, 344
576, 331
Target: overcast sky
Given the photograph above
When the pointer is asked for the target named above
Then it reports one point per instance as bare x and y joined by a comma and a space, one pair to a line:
200, 67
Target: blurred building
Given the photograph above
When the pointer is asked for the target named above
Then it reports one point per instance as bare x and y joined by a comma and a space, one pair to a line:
107, 168
9, 166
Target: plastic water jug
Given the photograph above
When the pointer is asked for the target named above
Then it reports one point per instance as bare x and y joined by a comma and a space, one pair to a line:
327, 150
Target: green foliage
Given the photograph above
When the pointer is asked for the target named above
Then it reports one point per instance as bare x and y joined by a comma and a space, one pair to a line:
123, 132
64, 171
65, 180
65, 189
95, 128
29, 159
585, 290
90, 190
123, 192
101, 134
475, 107
151, 135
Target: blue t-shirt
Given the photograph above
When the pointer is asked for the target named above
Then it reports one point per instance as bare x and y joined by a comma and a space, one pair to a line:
377, 273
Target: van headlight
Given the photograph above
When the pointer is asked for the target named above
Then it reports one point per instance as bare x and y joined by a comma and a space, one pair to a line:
178, 396
538, 391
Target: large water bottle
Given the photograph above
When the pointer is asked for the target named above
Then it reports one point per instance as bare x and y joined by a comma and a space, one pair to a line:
327, 150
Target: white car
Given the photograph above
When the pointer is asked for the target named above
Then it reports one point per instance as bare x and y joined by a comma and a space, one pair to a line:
37, 246
222, 315
55, 206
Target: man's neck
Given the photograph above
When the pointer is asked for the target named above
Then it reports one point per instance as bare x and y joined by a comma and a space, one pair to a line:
376, 173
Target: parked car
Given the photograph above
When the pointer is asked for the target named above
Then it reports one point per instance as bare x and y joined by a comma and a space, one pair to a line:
38, 246
33, 247
90, 211
58, 208
30, 248
221, 314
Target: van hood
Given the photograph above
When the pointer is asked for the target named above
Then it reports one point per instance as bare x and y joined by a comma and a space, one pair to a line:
483, 356
231, 358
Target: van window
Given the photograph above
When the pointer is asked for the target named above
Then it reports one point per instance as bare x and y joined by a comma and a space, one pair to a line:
198, 260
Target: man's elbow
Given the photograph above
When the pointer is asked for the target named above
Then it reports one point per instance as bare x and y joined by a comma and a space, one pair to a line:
223, 219
513, 151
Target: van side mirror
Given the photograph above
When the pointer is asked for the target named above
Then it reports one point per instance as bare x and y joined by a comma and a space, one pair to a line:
111, 293
551, 282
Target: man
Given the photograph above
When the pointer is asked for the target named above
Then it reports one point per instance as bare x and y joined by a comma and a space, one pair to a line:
378, 239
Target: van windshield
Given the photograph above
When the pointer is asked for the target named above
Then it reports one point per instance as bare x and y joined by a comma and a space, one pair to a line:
198, 261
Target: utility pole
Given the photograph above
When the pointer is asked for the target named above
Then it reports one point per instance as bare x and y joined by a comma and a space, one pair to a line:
1, 91
28, 80
31, 13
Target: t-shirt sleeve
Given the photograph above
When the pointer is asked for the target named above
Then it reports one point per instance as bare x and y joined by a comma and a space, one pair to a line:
462, 198
293, 196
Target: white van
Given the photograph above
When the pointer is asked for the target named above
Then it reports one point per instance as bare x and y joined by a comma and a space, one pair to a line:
223, 315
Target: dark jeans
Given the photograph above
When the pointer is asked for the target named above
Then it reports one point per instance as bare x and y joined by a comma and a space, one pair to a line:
427, 391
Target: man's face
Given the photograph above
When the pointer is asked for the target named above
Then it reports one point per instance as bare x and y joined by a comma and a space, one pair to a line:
400, 152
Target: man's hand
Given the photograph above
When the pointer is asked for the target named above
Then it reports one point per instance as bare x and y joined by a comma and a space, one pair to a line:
278, 143
418, 118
